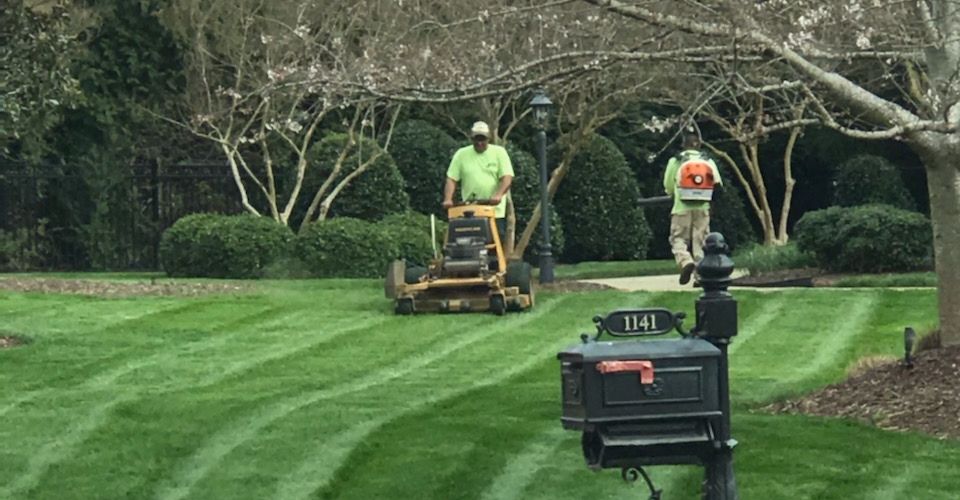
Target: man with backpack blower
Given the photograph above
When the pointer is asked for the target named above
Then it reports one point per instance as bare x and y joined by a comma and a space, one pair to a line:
690, 179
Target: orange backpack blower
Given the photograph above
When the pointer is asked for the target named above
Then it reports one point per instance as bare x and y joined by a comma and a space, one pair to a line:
694, 179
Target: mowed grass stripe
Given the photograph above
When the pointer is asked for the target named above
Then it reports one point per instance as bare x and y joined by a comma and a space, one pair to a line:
234, 435
202, 401
797, 345
760, 321
490, 364
83, 346
459, 370
159, 355
831, 346
105, 396
520, 470
322, 466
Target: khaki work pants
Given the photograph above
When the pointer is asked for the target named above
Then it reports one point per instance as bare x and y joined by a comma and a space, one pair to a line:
688, 229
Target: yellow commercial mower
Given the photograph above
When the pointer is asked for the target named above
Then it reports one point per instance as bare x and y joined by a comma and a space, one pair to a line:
472, 274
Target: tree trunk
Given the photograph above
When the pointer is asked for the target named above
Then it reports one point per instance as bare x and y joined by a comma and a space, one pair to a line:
939, 153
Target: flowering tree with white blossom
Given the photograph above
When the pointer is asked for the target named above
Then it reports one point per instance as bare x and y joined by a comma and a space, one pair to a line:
265, 79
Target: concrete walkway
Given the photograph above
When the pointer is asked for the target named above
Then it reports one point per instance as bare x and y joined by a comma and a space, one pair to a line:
660, 283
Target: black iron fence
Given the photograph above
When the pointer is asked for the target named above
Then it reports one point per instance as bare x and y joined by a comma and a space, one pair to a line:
55, 217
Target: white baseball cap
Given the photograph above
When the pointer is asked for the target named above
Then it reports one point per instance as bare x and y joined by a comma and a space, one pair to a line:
480, 128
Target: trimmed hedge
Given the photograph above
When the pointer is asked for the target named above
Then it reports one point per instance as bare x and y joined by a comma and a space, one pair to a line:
345, 247
597, 202
422, 153
868, 179
867, 238
223, 246
525, 192
375, 193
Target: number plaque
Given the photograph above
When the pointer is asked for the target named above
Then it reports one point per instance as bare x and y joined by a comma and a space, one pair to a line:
635, 322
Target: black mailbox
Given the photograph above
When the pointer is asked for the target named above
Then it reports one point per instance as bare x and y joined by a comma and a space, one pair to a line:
654, 402
641, 401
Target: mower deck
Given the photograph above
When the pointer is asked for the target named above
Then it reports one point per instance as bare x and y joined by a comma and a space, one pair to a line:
473, 273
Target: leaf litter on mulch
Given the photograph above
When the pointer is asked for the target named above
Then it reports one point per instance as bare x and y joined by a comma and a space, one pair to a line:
925, 398
116, 288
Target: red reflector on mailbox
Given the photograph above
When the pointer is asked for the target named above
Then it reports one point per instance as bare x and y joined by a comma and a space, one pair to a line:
644, 368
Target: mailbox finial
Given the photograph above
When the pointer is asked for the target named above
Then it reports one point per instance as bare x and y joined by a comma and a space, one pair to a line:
715, 268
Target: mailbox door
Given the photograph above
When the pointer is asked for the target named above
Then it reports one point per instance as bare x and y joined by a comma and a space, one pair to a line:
683, 380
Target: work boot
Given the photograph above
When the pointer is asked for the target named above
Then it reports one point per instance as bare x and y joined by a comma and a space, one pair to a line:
686, 272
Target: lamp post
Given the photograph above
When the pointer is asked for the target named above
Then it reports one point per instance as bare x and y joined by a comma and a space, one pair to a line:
541, 111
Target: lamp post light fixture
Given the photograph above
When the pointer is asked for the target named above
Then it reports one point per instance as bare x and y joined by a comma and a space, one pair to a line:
541, 106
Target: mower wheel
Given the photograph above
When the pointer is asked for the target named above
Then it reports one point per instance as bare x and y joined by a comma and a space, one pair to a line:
404, 307
497, 305
412, 274
518, 275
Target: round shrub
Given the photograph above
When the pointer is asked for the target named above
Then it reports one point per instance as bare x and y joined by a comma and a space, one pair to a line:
223, 246
410, 233
867, 179
376, 192
597, 202
345, 247
422, 153
525, 192
866, 238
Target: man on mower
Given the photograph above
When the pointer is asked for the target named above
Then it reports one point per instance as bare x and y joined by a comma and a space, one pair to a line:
689, 179
484, 172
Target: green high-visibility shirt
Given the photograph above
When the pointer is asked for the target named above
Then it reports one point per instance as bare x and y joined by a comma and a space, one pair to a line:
479, 173
670, 182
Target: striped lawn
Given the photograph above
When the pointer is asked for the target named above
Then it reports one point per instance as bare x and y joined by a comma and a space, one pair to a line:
313, 389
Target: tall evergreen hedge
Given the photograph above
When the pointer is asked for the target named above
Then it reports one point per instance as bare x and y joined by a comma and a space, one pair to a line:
373, 194
597, 202
422, 153
868, 179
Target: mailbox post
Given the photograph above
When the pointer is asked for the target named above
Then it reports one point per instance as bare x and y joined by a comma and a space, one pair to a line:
659, 402
717, 323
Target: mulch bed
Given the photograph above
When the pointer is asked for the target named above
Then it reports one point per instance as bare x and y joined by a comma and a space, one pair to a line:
571, 286
925, 398
801, 277
116, 288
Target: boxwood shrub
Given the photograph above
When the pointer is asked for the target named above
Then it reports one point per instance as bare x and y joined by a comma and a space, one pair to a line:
422, 153
868, 179
597, 202
345, 247
375, 193
223, 246
867, 238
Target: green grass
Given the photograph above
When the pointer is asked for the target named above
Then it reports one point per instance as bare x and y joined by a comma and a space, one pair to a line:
313, 389
889, 280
